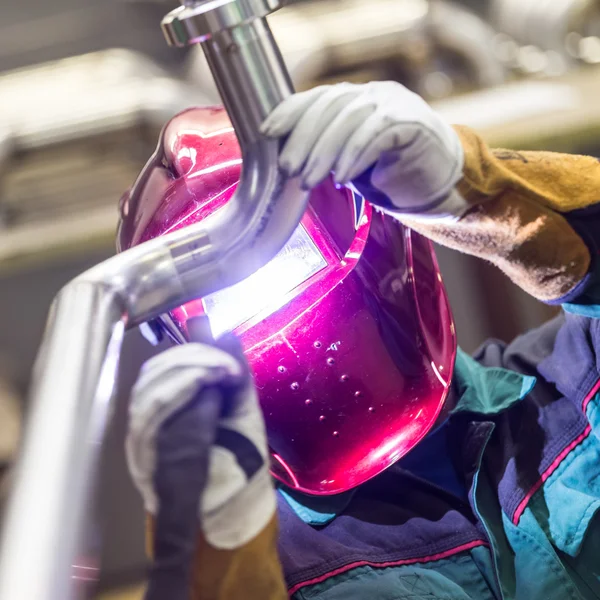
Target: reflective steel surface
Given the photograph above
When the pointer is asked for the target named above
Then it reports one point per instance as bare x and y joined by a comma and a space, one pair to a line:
48, 518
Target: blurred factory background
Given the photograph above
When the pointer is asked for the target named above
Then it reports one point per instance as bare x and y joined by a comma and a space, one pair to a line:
86, 85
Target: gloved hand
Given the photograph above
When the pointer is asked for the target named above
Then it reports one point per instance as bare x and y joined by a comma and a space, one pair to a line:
238, 499
522, 211
197, 452
377, 134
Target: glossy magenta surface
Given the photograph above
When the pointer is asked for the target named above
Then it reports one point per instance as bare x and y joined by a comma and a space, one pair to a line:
353, 369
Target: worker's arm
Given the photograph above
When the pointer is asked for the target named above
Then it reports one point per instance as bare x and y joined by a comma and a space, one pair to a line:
532, 213
197, 453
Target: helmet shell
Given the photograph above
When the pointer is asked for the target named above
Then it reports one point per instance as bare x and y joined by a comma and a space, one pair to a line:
353, 362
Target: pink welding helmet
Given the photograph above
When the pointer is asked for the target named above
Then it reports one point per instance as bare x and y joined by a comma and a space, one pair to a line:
347, 330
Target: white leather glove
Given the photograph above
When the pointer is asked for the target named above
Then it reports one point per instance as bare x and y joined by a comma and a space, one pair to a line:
416, 158
238, 500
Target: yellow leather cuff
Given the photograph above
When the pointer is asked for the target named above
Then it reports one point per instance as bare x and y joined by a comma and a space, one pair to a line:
516, 216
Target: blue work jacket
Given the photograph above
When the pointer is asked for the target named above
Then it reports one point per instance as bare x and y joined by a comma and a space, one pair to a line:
512, 514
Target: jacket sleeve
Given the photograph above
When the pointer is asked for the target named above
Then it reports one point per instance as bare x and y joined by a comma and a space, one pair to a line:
250, 572
535, 215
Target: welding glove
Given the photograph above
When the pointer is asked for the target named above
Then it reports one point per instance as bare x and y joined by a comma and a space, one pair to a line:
532, 214
196, 445
379, 134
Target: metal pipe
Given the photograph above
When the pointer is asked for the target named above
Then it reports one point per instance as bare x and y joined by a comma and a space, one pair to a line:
46, 510
77, 364
313, 41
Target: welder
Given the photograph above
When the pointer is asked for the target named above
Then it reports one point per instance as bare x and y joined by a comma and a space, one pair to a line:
355, 452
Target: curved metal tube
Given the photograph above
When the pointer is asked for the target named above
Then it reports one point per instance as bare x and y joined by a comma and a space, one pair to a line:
316, 36
48, 516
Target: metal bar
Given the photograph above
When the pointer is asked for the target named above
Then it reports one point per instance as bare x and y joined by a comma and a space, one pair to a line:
48, 518
45, 518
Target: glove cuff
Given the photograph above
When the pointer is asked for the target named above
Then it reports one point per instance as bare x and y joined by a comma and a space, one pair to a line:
244, 516
252, 571
516, 219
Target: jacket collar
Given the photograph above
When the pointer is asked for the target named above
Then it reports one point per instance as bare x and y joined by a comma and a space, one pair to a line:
482, 391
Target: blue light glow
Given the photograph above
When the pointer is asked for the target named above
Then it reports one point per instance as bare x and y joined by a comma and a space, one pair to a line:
266, 289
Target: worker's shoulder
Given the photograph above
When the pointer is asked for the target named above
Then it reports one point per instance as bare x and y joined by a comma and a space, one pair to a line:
542, 460
563, 355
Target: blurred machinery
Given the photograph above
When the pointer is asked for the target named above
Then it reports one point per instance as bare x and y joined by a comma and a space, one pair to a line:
35, 31
80, 117
73, 135
436, 48
543, 37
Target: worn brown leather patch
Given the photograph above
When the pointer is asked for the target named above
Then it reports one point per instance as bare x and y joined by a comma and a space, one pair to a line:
562, 182
252, 572
532, 244
516, 220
